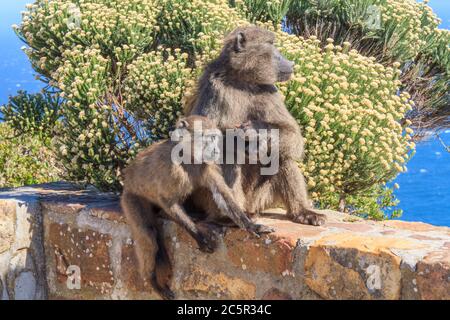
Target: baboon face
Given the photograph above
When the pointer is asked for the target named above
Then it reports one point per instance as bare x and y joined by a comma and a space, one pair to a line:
200, 133
254, 58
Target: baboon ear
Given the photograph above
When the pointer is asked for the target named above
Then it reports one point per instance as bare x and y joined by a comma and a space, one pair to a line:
239, 42
183, 123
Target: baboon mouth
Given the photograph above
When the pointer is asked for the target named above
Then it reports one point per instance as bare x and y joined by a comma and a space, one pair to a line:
284, 76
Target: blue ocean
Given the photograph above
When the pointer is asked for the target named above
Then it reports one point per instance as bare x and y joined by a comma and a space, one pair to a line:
424, 192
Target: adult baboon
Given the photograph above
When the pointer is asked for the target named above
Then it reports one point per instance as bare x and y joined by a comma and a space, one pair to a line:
156, 185
238, 87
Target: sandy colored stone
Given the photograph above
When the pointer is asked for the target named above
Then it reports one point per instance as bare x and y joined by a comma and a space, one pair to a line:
331, 280
267, 254
433, 276
357, 227
349, 266
423, 237
275, 294
63, 207
371, 244
290, 232
7, 221
108, 211
414, 226
202, 283
130, 272
347, 258
86, 249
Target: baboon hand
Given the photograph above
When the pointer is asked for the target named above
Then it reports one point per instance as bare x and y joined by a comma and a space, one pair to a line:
207, 239
259, 229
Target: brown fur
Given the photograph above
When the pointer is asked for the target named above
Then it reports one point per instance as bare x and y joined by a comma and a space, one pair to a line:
153, 185
238, 87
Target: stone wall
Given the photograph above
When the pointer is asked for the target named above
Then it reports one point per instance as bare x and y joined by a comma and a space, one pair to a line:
59, 242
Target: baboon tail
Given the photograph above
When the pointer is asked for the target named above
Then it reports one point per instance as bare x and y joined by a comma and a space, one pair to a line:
153, 260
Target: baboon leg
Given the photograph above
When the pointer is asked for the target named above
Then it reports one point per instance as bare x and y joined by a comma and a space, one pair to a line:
261, 196
142, 222
291, 187
227, 205
205, 238
233, 178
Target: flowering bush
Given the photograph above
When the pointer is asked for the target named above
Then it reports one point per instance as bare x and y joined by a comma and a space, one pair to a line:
196, 27
350, 112
405, 31
124, 75
154, 88
25, 159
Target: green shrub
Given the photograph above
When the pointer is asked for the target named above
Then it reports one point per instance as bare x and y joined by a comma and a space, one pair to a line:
263, 11
25, 159
34, 114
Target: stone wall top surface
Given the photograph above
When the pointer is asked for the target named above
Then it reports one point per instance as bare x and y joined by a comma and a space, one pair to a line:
347, 258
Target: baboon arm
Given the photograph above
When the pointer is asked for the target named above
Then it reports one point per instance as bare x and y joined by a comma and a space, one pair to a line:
205, 103
177, 213
291, 141
225, 201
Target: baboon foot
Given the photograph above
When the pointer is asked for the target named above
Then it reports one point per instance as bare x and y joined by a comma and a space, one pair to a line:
310, 217
207, 238
163, 289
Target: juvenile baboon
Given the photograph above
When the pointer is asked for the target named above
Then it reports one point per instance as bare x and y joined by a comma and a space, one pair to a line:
239, 87
155, 185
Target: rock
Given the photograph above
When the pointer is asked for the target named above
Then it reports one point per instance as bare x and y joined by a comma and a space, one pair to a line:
63, 207
414, 226
433, 276
27, 215
87, 242
7, 222
25, 286
202, 284
349, 266
263, 255
87, 250
130, 272
276, 294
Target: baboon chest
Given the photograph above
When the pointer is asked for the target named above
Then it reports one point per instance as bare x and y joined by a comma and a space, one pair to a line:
238, 107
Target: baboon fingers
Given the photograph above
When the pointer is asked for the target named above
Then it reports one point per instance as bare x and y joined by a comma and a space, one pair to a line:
264, 229
207, 238
259, 229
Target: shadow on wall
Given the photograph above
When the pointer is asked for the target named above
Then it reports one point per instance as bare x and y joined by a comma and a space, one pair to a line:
22, 262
